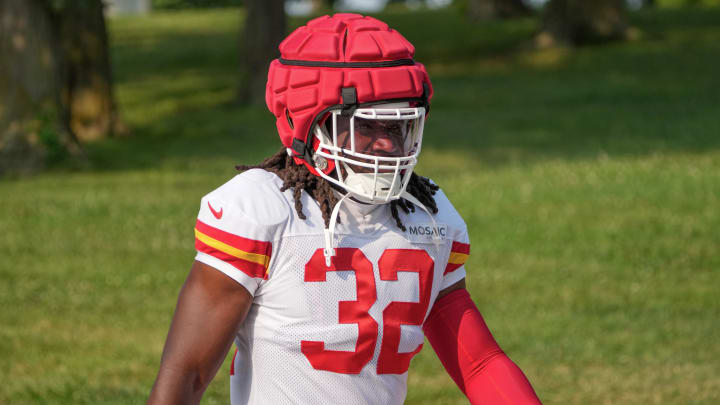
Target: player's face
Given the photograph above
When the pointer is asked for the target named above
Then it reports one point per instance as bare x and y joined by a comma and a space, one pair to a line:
375, 137
386, 138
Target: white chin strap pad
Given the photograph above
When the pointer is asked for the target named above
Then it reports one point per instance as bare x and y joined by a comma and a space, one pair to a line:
368, 184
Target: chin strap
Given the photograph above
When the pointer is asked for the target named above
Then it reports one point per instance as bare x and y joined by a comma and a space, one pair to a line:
329, 250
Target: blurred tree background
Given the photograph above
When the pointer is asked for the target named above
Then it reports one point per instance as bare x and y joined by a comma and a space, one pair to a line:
579, 140
490, 9
264, 28
577, 22
55, 81
188, 4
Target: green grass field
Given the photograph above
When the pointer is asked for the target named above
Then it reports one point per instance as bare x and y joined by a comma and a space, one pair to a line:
590, 181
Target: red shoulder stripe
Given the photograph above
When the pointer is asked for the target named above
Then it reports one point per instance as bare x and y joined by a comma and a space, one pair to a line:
249, 256
238, 242
459, 254
459, 247
451, 267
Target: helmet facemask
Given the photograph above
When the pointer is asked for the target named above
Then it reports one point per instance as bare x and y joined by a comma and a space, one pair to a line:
374, 149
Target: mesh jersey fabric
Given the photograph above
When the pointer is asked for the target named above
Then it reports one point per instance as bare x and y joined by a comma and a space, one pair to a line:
318, 335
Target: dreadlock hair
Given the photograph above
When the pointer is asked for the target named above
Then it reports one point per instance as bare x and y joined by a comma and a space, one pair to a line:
299, 178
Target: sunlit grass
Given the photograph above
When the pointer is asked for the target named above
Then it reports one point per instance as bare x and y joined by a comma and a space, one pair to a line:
590, 181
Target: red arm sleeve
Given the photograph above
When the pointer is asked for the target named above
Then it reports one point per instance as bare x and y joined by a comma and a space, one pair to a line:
469, 353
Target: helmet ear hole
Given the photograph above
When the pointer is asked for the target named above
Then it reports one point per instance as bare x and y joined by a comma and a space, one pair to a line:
289, 119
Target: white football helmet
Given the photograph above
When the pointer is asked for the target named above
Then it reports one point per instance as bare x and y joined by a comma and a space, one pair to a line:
374, 149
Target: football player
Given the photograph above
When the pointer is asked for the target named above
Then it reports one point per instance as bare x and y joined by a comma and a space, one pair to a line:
331, 261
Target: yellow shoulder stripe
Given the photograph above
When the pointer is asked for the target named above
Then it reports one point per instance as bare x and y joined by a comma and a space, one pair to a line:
262, 260
458, 258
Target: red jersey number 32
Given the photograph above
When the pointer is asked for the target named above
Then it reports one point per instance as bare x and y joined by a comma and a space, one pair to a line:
395, 314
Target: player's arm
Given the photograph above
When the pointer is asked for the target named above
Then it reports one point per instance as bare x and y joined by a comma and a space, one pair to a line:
469, 353
210, 308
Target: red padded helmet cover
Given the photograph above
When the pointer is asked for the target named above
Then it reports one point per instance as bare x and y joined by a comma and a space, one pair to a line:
298, 94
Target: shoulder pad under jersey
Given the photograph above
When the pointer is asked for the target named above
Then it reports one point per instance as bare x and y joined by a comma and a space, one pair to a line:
447, 214
419, 225
251, 199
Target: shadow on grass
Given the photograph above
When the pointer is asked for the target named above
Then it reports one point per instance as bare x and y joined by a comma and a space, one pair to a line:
180, 142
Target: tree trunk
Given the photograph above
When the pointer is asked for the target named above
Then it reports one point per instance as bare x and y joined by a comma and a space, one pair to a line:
55, 81
33, 119
578, 22
482, 10
323, 5
264, 30
88, 82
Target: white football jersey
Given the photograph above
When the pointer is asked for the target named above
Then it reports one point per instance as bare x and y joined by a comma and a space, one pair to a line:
317, 334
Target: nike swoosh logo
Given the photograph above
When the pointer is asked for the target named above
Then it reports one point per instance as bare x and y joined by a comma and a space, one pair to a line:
218, 214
